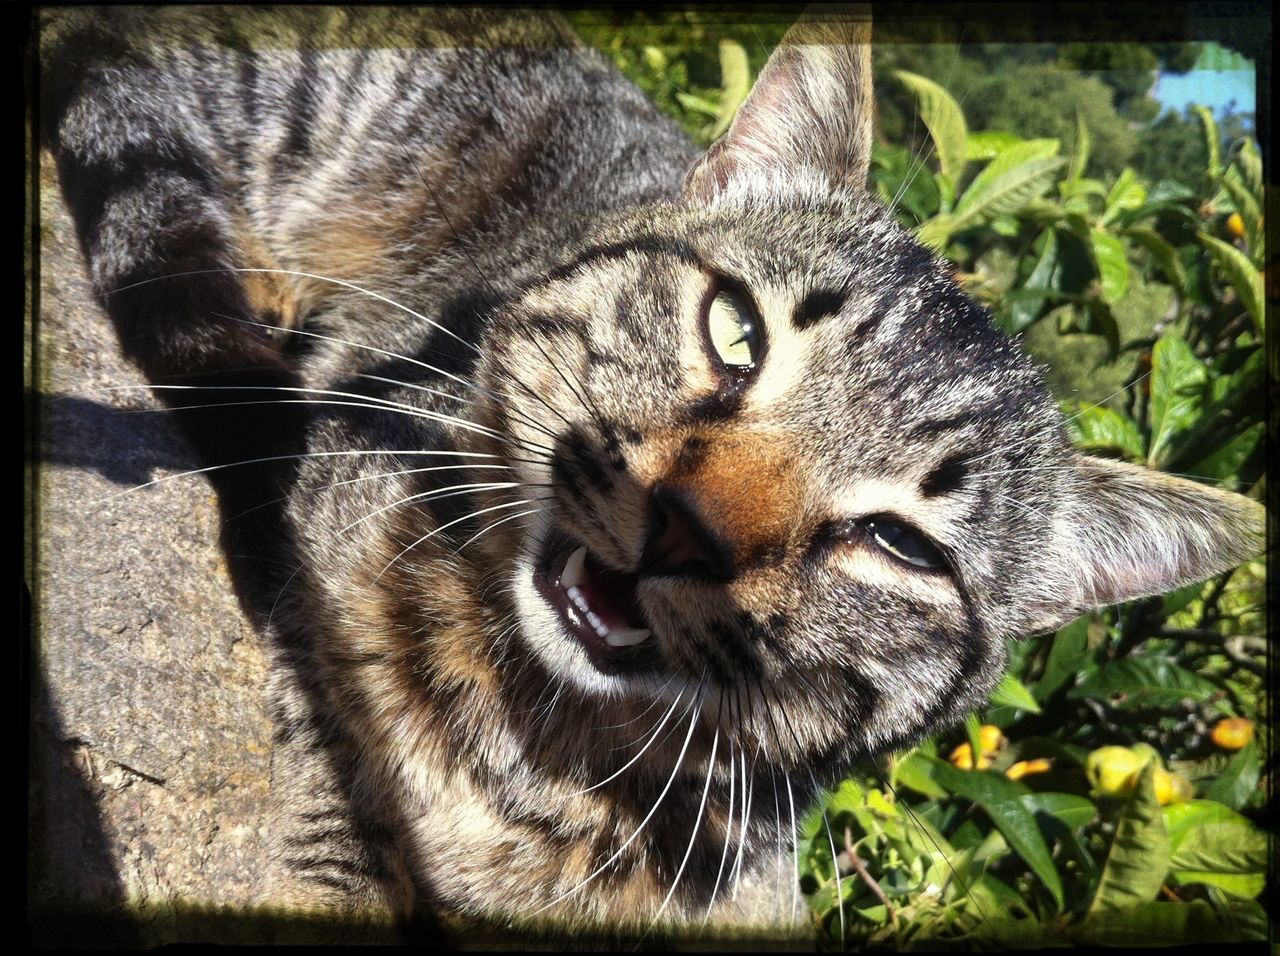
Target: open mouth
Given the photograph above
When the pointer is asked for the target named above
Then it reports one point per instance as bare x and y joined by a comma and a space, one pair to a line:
597, 608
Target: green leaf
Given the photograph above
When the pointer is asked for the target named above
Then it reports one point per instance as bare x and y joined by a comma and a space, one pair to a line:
1017, 175
735, 83
1220, 848
1240, 778
1249, 162
1113, 267
942, 116
697, 104
1163, 924
1225, 462
1067, 652
1240, 272
1126, 195
1244, 885
1074, 811
989, 143
1211, 141
1095, 427
1134, 682
973, 733
1139, 856
1178, 600
935, 233
915, 771
1181, 819
1080, 157
1011, 692
1177, 386
1162, 254
1001, 799
1025, 311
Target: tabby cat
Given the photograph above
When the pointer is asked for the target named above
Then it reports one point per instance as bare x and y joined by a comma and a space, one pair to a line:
631, 495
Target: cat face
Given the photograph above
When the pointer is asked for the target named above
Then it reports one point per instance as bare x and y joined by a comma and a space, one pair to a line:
789, 468
779, 486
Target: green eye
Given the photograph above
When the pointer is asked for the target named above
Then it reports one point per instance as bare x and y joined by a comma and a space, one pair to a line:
732, 330
903, 543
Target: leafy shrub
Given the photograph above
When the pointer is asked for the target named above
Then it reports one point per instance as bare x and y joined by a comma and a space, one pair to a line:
1145, 300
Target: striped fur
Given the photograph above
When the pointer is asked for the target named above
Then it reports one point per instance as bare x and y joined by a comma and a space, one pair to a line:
542, 246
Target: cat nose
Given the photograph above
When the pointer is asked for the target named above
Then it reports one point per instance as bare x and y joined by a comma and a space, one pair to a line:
681, 543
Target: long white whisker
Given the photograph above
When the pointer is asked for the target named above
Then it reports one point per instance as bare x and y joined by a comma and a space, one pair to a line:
693, 836
306, 275
449, 524
728, 837
363, 401
445, 492
312, 454
693, 725
489, 527
657, 730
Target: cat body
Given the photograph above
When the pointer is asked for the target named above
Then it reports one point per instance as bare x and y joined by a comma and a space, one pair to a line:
584, 598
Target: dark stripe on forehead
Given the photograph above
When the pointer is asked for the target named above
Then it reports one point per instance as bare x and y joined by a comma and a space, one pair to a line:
945, 477
993, 412
651, 245
818, 304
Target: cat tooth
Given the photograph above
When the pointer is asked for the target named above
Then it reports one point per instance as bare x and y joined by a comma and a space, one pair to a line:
627, 636
571, 576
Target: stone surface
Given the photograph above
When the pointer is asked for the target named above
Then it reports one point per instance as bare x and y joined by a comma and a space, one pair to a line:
150, 739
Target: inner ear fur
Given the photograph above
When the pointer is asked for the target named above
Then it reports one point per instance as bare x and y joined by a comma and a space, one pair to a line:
809, 111
1127, 532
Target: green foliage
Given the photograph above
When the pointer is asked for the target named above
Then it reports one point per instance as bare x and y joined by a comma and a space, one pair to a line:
1128, 260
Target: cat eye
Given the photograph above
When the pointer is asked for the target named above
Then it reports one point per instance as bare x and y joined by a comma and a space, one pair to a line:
733, 330
903, 542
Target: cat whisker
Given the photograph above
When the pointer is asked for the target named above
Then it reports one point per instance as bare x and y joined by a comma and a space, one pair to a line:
489, 527
312, 454
826, 823
447, 492
748, 790
728, 837
795, 848
361, 401
484, 278
920, 828
457, 398
693, 725
304, 275
693, 835
375, 477
443, 527
471, 386
654, 736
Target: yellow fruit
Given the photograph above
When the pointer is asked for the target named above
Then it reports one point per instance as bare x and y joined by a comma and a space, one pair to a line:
1232, 733
1024, 768
962, 757
1171, 787
990, 738
1112, 771
1235, 226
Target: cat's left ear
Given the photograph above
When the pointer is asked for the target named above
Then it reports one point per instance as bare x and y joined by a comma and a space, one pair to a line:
1128, 532
808, 113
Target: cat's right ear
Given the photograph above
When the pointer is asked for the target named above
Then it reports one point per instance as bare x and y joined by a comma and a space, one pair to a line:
809, 112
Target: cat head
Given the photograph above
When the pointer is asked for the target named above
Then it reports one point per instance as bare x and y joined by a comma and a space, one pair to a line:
787, 465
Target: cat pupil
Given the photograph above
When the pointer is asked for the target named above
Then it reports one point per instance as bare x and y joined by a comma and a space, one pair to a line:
732, 332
